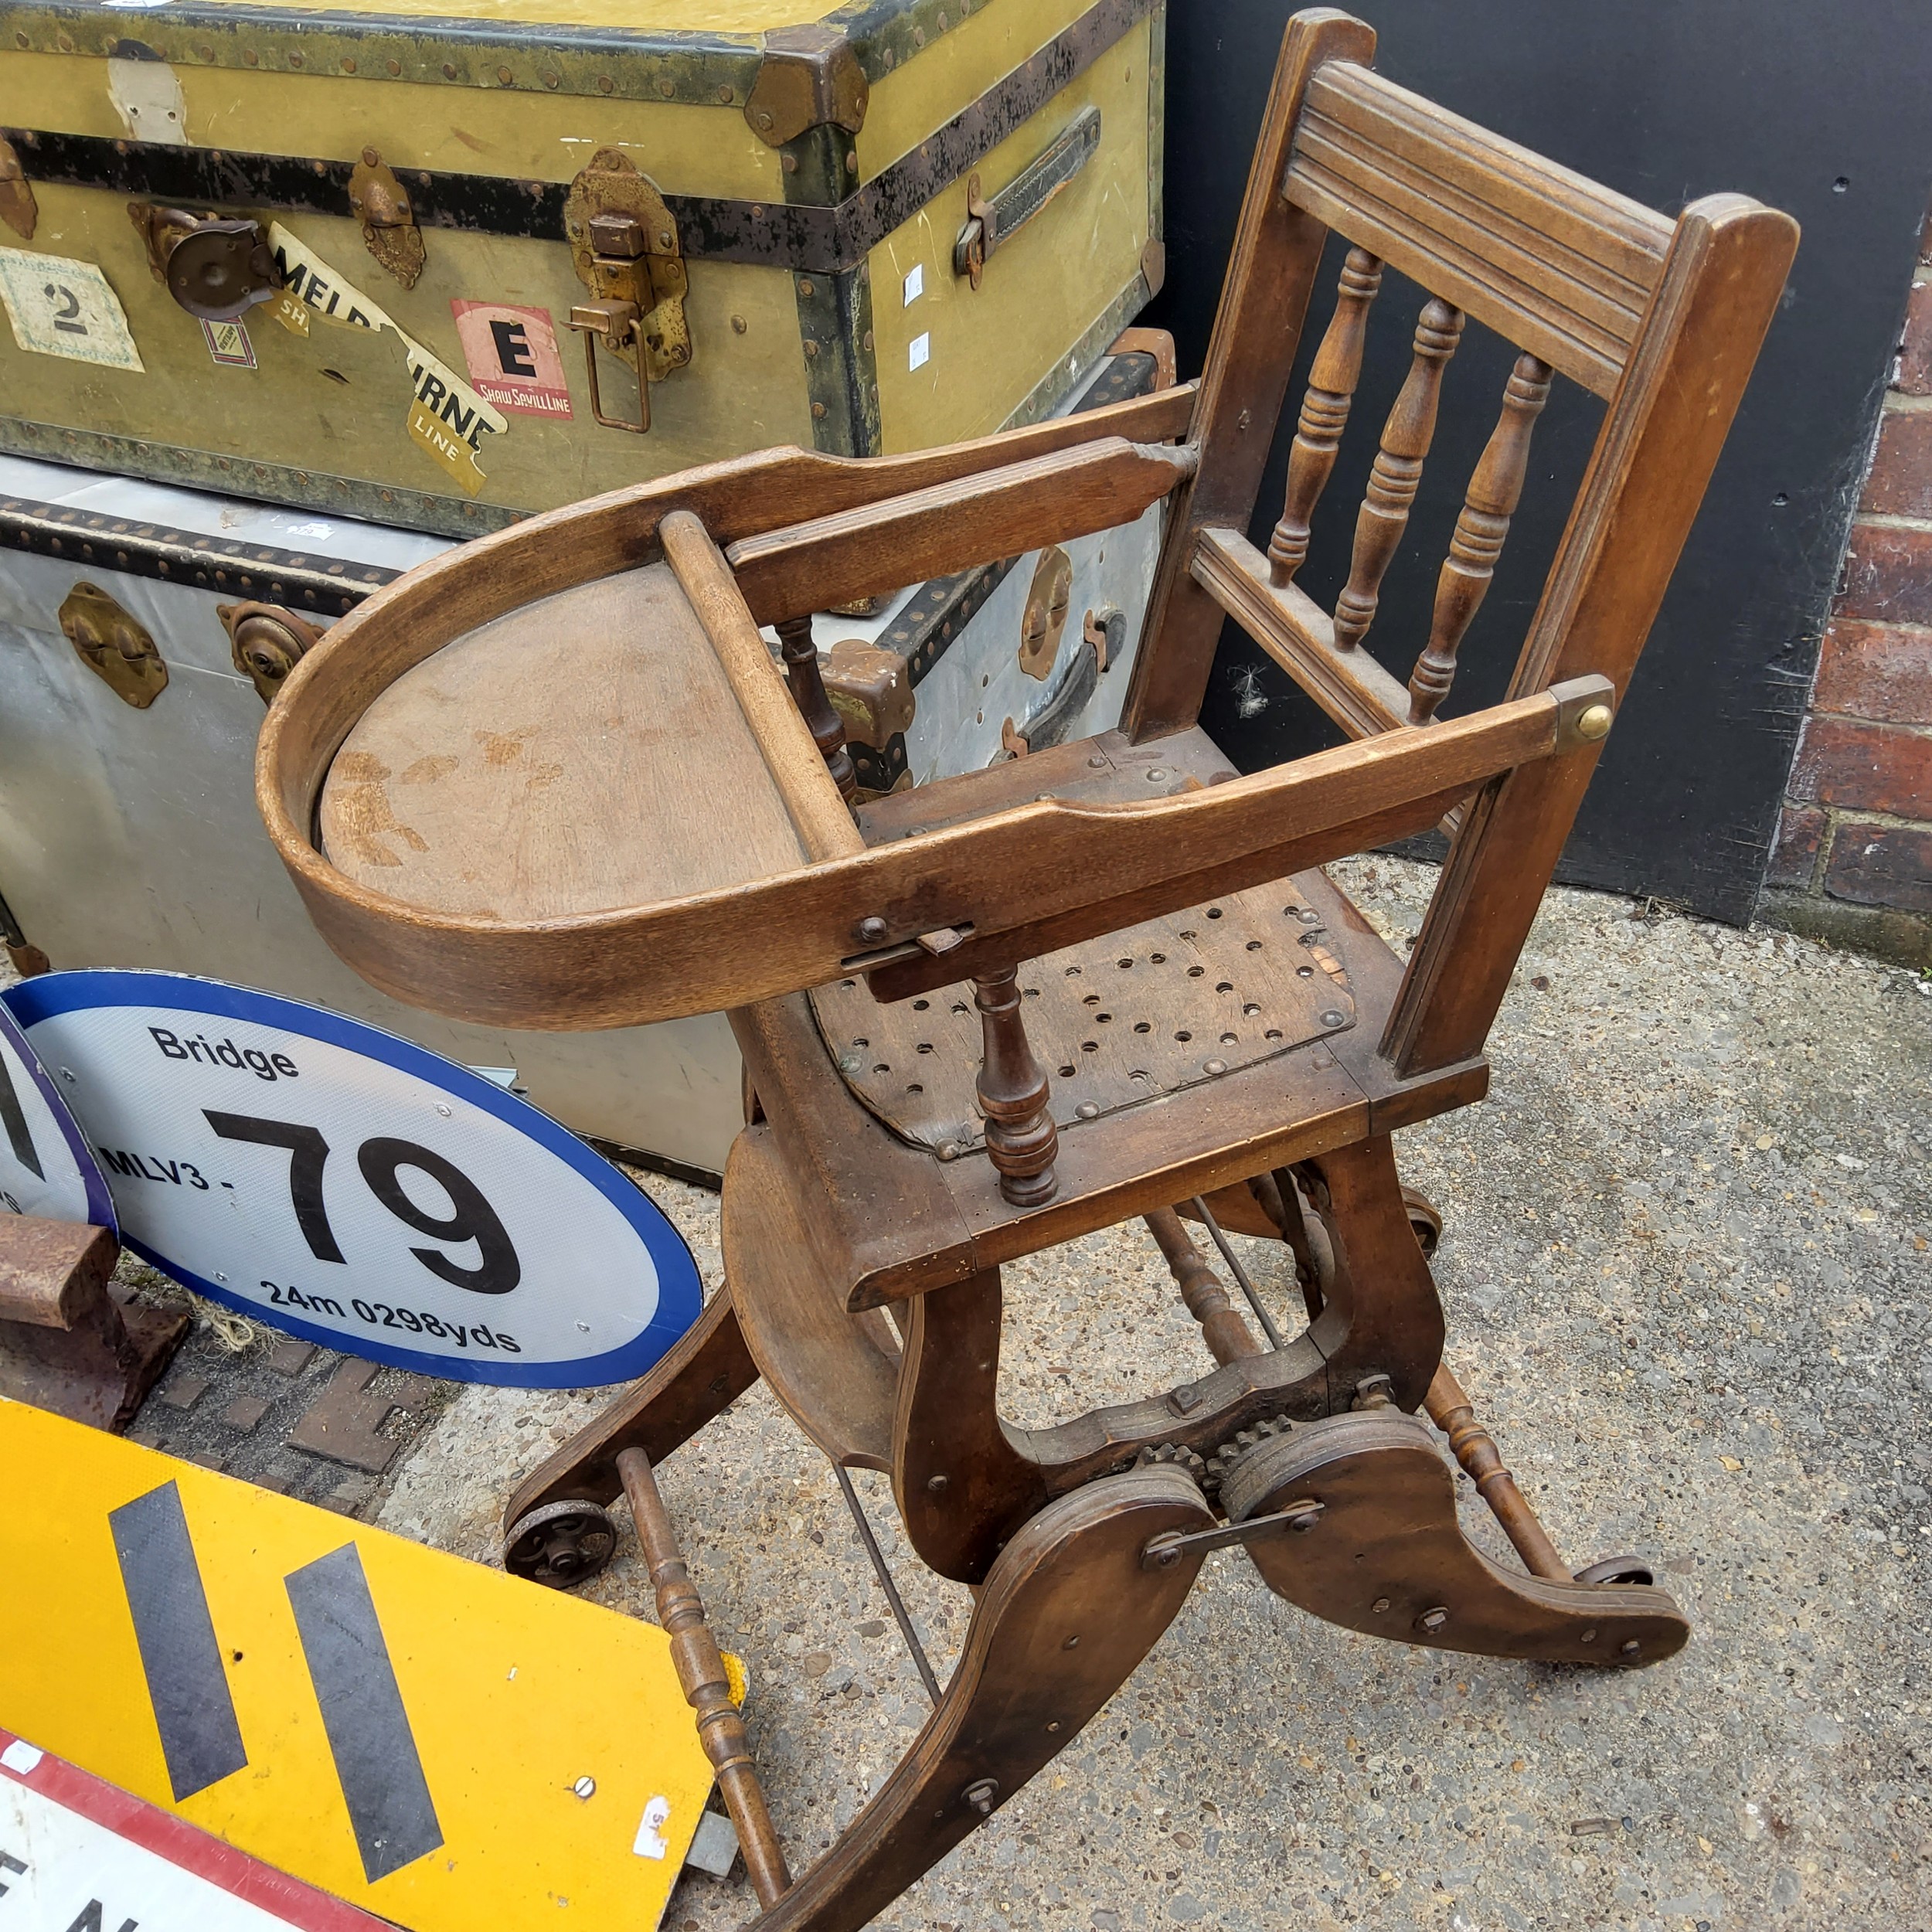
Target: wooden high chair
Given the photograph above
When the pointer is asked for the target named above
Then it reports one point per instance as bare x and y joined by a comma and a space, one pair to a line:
554, 779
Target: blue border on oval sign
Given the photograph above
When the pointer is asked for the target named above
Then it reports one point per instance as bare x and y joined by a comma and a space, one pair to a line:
100, 1200
680, 1290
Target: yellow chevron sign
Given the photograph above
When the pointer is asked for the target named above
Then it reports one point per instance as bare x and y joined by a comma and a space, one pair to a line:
438, 1743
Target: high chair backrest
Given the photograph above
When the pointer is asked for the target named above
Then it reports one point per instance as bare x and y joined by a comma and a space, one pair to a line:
1663, 319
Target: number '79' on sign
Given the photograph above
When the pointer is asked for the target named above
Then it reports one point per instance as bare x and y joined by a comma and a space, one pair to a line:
352, 1187
381, 1159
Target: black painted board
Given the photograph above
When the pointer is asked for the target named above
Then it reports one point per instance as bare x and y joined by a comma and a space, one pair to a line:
1819, 111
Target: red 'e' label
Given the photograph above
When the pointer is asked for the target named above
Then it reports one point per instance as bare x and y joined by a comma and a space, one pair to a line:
513, 358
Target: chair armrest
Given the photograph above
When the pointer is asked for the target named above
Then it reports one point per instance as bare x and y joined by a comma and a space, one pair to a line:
1022, 881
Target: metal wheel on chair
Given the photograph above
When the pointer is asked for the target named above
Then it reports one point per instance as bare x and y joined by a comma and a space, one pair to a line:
1425, 1217
1618, 1569
560, 1545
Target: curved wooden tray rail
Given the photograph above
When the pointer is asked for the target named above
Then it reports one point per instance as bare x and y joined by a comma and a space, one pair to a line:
1048, 872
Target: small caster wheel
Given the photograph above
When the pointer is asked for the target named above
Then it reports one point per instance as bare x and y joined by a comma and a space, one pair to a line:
1425, 1218
1618, 1569
560, 1545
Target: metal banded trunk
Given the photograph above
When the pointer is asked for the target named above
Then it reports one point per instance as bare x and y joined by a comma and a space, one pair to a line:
384, 262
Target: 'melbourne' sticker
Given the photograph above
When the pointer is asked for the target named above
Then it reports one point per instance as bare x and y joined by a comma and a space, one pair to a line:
513, 357
334, 1180
447, 420
62, 307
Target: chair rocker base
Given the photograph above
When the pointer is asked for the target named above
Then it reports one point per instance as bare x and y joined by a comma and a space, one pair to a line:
1384, 1553
1065, 1615
1077, 1594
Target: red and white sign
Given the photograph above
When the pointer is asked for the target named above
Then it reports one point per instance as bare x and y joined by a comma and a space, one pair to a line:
74, 1851
513, 357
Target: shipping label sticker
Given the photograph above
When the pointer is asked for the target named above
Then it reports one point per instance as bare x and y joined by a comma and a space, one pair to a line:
312, 289
513, 357
59, 307
446, 419
459, 460
228, 344
289, 310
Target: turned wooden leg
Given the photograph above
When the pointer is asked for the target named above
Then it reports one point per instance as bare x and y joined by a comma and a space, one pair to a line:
1269, 1207
1453, 1413
1066, 1613
807, 686
1021, 1137
702, 1676
709, 1368
1378, 1549
1228, 1337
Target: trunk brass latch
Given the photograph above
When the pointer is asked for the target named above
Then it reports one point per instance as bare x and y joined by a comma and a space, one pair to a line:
625, 247
118, 649
215, 268
266, 642
382, 204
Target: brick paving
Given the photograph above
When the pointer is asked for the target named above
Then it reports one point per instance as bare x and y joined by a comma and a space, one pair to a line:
302, 1421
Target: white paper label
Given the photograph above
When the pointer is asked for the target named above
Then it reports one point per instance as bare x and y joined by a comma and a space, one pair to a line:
920, 352
60, 307
650, 1840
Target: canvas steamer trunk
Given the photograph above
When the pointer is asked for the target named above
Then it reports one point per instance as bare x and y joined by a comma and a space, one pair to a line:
402, 264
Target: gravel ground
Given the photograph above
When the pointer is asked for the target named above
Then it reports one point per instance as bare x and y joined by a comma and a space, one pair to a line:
1687, 1274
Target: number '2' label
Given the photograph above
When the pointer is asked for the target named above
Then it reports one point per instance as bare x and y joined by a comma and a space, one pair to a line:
61, 307
339, 1182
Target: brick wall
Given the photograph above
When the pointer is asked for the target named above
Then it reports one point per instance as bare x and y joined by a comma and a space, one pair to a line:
1853, 861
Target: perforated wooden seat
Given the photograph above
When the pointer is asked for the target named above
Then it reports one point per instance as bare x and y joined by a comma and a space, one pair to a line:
1154, 1009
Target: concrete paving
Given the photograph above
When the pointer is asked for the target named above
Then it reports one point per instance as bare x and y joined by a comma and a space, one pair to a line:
1687, 1273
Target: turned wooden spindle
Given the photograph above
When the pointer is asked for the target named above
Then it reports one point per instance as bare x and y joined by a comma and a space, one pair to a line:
807, 688
1481, 527
1324, 412
1452, 1412
1021, 1139
700, 1672
1228, 1337
1397, 470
